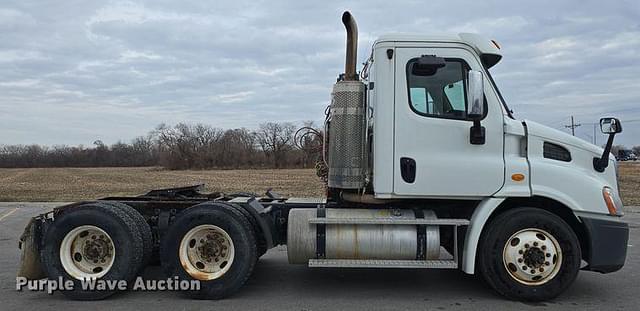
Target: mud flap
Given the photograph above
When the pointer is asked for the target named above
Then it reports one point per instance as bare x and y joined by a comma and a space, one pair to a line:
30, 266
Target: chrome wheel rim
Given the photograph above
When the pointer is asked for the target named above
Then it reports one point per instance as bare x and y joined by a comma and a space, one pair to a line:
87, 252
532, 256
206, 252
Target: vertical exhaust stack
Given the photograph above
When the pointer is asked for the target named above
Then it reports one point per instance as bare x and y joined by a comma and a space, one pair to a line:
347, 126
352, 47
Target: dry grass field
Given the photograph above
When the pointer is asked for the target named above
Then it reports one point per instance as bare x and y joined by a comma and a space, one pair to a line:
73, 184
630, 182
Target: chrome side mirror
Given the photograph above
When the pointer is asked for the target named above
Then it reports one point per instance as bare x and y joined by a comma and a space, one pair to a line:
610, 126
475, 107
475, 94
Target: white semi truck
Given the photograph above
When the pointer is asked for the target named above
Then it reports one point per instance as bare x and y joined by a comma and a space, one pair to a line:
427, 169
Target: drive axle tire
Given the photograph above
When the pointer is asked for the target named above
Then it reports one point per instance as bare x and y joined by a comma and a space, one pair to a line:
529, 254
260, 239
92, 241
142, 225
212, 243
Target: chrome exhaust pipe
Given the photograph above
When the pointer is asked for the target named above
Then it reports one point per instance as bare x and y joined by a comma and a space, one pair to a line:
352, 47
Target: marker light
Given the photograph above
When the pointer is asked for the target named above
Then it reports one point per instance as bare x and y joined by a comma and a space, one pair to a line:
614, 204
517, 177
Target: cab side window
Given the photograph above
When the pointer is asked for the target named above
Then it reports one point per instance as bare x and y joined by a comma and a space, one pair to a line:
440, 92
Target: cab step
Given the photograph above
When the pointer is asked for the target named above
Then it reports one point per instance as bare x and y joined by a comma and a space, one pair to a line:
389, 221
378, 263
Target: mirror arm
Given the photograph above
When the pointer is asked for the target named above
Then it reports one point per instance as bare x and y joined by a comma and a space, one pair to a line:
599, 164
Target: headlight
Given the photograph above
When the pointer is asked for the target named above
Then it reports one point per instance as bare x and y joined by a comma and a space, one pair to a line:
613, 202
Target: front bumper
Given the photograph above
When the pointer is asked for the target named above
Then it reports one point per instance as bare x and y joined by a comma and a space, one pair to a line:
608, 241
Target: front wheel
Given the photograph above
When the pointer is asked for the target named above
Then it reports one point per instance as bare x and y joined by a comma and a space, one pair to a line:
529, 254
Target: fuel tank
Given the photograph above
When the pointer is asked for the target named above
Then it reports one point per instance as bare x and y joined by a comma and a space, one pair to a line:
362, 241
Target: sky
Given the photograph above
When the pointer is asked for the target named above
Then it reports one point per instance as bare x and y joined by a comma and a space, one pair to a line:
72, 72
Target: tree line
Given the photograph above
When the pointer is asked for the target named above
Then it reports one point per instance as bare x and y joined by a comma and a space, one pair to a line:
190, 146
183, 146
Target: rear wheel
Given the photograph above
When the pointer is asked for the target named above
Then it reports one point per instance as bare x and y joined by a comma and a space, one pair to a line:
92, 242
212, 243
529, 254
260, 239
143, 227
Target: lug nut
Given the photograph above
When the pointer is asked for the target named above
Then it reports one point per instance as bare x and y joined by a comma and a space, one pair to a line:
520, 252
526, 246
547, 263
535, 243
519, 260
548, 255
541, 269
544, 247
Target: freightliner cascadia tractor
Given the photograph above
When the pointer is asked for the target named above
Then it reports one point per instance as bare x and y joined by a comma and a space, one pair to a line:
426, 169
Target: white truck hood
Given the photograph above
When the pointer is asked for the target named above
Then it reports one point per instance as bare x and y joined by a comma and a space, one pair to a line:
560, 138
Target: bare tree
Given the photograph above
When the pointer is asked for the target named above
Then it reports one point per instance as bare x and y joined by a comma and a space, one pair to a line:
183, 146
275, 139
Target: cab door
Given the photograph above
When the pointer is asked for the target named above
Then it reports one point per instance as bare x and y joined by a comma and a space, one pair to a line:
433, 154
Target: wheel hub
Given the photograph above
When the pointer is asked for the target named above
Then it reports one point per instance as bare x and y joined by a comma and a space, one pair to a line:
532, 256
97, 249
87, 252
206, 252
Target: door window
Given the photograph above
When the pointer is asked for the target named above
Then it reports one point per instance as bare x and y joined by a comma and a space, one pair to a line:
440, 92
421, 100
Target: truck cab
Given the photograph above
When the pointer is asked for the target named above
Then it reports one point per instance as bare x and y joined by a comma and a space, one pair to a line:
422, 114
438, 133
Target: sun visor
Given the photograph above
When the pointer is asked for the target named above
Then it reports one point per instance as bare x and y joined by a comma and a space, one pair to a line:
489, 50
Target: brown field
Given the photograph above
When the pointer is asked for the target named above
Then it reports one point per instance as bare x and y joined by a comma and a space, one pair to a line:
74, 184
630, 182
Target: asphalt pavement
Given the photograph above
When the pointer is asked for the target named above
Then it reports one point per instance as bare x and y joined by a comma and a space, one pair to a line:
276, 285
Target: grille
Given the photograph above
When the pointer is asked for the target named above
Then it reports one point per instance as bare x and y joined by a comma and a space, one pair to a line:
556, 152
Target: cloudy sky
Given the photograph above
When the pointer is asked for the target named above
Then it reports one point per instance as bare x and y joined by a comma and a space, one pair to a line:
75, 71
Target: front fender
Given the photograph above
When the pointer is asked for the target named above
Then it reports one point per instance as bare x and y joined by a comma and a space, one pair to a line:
479, 218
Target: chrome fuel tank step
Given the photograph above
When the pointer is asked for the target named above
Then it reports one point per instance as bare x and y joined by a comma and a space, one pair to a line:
364, 263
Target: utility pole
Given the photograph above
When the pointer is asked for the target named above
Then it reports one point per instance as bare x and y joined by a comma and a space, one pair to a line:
573, 126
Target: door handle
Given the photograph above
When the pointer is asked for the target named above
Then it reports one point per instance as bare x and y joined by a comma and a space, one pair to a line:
408, 169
